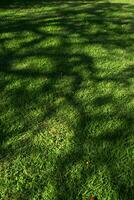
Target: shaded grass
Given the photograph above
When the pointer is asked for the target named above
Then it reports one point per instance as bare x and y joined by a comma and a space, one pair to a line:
66, 100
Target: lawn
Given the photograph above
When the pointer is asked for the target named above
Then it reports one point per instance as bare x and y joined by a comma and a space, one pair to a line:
66, 100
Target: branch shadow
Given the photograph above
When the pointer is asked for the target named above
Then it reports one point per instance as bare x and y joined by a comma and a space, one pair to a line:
100, 148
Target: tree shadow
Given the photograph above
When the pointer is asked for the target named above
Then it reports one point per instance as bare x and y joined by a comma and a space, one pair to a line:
73, 68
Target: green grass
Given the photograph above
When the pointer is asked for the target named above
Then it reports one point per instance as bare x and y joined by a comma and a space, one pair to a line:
66, 100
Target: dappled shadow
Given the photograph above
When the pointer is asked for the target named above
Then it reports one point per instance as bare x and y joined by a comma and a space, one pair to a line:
61, 38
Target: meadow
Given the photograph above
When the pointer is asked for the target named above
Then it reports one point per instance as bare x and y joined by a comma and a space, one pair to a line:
66, 100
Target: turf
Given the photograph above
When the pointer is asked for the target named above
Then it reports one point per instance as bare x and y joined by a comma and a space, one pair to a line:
66, 100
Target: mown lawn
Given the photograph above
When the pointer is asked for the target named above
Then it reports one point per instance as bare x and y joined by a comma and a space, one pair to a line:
66, 100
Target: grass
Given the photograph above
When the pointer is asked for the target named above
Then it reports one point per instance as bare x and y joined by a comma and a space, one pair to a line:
67, 100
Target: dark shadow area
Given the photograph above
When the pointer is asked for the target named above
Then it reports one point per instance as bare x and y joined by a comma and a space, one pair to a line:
6, 4
68, 64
